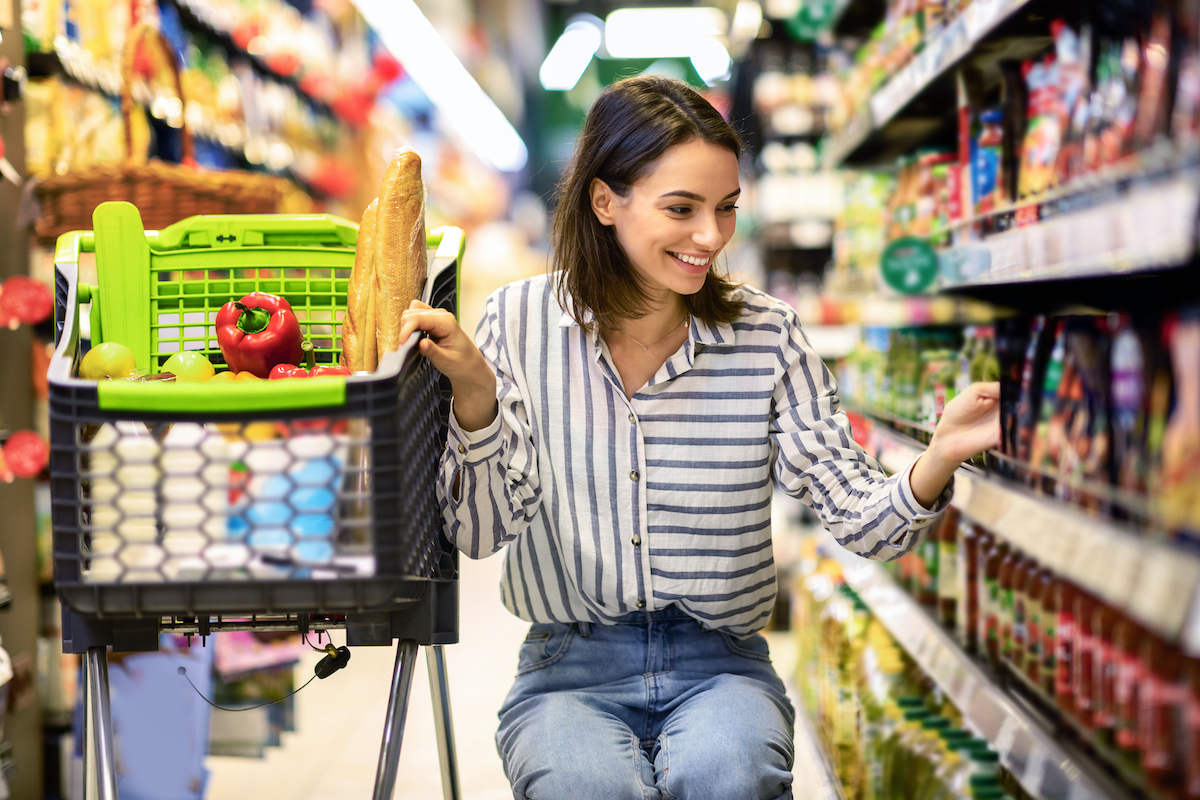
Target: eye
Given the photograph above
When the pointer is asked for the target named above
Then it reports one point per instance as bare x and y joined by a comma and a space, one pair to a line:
729, 209
679, 209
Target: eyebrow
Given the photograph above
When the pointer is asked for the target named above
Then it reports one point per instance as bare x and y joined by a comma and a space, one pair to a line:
696, 197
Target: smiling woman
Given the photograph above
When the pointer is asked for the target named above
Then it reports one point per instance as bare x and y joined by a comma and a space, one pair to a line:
619, 428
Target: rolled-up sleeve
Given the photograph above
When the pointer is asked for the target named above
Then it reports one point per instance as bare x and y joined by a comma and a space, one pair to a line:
488, 487
818, 462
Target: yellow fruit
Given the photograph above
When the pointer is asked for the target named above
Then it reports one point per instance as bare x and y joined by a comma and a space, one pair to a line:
107, 360
188, 365
228, 376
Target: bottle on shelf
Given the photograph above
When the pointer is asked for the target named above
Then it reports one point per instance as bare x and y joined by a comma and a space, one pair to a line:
967, 572
1084, 666
1048, 675
1009, 566
948, 564
989, 605
1034, 625
1127, 639
1064, 684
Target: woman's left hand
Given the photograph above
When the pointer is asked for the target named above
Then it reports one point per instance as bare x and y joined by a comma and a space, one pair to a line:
970, 424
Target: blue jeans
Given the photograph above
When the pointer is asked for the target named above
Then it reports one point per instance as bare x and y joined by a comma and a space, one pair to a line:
652, 708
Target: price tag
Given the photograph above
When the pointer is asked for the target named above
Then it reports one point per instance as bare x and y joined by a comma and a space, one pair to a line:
1125, 565
1166, 591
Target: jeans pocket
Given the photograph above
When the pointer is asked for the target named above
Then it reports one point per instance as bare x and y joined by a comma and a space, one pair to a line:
753, 647
544, 645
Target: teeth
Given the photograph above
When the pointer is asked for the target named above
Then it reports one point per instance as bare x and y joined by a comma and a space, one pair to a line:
696, 262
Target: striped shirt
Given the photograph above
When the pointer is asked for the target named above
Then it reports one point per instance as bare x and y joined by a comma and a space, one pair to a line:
610, 505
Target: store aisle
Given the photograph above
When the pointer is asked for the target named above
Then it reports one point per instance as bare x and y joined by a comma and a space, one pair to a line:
339, 721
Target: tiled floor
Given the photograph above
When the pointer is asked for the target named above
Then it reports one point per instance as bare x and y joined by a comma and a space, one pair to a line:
335, 749
339, 721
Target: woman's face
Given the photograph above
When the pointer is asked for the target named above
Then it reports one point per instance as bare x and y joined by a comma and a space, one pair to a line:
677, 218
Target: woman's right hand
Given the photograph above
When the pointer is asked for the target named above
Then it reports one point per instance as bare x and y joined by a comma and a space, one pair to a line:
454, 354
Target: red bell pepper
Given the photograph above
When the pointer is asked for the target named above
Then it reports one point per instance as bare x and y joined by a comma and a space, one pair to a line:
293, 371
258, 332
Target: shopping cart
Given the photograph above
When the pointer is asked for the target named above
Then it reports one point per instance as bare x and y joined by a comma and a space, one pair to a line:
287, 505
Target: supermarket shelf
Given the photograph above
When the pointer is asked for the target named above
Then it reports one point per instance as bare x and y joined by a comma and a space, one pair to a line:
1129, 568
1135, 221
1028, 746
935, 61
193, 21
812, 762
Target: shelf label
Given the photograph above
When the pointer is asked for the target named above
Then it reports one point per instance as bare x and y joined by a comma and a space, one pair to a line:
910, 265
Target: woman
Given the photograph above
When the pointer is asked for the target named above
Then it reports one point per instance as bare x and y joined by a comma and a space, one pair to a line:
620, 427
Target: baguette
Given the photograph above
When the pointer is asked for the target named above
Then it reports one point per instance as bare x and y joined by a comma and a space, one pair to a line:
359, 351
400, 254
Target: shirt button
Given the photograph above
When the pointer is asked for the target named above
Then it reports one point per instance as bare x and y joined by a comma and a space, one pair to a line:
462, 448
637, 541
632, 419
633, 476
641, 603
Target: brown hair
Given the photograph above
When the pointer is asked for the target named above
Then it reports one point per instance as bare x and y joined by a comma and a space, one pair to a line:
630, 125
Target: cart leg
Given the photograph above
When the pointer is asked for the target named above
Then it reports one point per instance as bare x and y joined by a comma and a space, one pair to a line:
97, 728
439, 691
393, 724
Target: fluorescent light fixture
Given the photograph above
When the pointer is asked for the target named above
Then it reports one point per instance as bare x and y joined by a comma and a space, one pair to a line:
711, 60
661, 32
571, 54
747, 19
434, 67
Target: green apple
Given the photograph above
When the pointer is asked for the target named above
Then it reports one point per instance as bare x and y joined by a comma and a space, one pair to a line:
107, 360
188, 365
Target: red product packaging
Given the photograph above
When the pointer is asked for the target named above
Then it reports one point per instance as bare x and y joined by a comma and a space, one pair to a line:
1104, 664
1127, 638
1064, 687
1161, 717
1084, 667
1191, 759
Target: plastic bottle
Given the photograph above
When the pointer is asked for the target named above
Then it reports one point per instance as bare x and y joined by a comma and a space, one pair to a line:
1104, 703
1127, 639
967, 572
1033, 611
1162, 704
1020, 637
1050, 617
1084, 667
990, 606
1191, 738
1064, 686
948, 564
1007, 616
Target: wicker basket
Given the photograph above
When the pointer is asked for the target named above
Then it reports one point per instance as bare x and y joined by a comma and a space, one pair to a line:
163, 193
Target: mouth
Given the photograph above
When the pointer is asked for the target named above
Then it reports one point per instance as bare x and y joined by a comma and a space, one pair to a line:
692, 263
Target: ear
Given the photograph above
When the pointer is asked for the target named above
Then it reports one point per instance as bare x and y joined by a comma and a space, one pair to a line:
603, 201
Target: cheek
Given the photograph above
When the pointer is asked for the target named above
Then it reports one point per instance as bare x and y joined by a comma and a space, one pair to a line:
727, 226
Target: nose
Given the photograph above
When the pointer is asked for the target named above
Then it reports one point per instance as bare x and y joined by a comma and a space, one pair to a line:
708, 233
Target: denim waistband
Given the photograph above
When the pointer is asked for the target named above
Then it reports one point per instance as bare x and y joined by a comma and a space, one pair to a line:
671, 612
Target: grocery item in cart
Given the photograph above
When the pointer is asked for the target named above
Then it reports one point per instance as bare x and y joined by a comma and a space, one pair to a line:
389, 264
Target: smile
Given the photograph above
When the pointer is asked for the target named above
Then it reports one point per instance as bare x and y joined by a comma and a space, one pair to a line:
694, 261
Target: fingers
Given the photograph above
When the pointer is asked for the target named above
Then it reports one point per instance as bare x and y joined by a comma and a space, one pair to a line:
439, 323
989, 390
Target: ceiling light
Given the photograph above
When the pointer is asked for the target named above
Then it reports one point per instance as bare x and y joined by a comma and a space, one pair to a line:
661, 32
572, 53
711, 60
445, 81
